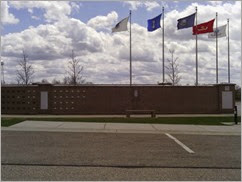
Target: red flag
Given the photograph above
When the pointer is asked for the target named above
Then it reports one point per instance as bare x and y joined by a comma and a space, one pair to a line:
203, 27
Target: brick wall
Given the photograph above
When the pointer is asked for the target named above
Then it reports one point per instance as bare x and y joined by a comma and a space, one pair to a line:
114, 99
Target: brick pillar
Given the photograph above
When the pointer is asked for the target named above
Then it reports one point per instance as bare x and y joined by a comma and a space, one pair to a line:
226, 97
45, 88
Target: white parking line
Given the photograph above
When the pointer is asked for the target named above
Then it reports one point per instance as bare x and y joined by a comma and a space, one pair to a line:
180, 143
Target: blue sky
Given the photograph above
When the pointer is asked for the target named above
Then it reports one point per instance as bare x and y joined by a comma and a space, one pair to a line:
49, 30
91, 9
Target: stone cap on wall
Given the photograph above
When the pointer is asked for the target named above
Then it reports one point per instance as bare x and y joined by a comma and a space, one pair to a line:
113, 85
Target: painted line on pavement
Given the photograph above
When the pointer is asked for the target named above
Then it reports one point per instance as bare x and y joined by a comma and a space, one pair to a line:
180, 143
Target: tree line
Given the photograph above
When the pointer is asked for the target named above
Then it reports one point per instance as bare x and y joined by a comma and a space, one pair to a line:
74, 76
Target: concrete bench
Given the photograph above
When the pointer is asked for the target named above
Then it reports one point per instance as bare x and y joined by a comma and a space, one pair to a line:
152, 112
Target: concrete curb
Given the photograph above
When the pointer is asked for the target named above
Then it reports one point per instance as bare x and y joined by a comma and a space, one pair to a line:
115, 116
121, 131
123, 128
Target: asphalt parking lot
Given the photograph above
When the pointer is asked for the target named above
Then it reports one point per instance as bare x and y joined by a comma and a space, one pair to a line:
38, 155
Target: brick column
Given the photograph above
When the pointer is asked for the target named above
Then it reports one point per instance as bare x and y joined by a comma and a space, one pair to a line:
226, 97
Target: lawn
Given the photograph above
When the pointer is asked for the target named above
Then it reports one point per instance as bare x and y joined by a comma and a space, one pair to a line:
7, 121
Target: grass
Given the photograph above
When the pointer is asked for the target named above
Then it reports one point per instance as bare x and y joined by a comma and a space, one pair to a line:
11, 121
5, 121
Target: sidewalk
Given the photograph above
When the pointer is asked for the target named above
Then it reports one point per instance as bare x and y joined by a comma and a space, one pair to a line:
53, 126
114, 116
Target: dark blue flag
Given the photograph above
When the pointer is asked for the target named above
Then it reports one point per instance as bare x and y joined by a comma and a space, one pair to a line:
186, 22
154, 23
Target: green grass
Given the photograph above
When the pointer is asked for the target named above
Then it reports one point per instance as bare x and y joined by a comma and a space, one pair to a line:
11, 121
162, 120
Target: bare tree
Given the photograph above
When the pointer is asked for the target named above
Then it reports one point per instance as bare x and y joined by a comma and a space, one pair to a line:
18, 81
172, 69
75, 71
66, 80
56, 82
26, 71
44, 81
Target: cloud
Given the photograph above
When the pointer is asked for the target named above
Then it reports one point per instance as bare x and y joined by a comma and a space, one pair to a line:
6, 17
184, 42
149, 5
75, 7
103, 22
215, 3
35, 17
54, 11
53, 41
105, 56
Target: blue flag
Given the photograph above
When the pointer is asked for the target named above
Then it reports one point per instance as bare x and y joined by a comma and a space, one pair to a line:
186, 22
154, 23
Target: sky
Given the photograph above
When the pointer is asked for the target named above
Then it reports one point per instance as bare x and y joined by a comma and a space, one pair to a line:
48, 31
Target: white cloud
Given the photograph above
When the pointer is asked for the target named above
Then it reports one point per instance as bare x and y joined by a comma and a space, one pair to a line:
105, 56
53, 10
75, 7
149, 5
6, 17
30, 10
133, 4
103, 22
215, 3
35, 17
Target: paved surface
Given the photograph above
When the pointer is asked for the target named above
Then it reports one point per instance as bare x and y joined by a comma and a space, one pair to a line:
123, 128
47, 173
43, 150
117, 116
38, 155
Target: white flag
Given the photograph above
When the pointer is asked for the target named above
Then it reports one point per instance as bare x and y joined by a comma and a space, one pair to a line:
221, 32
121, 26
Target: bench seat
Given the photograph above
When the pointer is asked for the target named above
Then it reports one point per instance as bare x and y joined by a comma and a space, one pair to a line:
152, 112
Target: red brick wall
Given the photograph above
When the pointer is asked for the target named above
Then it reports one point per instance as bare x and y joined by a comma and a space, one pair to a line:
19, 100
111, 99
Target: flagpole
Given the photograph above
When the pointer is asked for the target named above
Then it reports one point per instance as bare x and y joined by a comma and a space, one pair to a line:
163, 42
216, 47
228, 56
196, 53
130, 56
